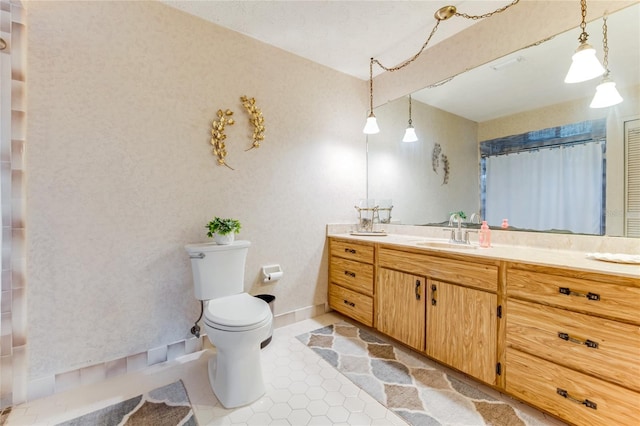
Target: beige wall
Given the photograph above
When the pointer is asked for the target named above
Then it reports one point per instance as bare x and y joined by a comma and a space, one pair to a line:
120, 173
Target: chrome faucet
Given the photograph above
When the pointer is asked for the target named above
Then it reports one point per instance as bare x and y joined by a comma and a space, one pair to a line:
457, 236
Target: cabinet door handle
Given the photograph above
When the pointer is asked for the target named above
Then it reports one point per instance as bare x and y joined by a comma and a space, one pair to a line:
350, 274
569, 292
418, 283
585, 402
349, 250
434, 302
588, 343
346, 302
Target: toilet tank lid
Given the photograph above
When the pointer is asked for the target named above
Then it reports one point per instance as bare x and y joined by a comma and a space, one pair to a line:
208, 247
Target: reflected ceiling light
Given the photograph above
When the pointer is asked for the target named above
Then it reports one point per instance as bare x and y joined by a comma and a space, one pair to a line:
442, 14
584, 64
507, 63
410, 133
606, 92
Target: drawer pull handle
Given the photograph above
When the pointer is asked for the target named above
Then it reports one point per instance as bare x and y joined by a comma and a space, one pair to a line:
346, 302
588, 343
585, 402
350, 274
350, 250
418, 283
589, 296
434, 302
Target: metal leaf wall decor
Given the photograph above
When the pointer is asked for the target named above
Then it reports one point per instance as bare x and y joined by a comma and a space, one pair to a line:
256, 119
435, 157
446, 168
218, 136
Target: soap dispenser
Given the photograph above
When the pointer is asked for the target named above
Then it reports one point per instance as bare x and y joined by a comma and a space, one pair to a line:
484, 236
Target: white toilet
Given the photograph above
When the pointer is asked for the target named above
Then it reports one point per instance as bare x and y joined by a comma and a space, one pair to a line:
235, 321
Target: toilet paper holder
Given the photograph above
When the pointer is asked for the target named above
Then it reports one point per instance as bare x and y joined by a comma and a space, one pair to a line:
271, 273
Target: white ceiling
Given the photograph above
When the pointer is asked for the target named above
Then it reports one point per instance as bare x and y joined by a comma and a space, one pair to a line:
341, 34
344, 34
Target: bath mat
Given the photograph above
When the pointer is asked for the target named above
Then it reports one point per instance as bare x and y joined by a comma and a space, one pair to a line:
406, 384
165, 406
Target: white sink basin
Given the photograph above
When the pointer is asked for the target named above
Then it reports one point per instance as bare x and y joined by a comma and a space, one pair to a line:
446, 245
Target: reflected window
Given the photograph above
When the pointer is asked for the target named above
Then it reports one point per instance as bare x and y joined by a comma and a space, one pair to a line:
550, 180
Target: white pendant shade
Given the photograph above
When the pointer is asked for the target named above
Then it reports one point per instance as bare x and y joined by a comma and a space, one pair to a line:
584, 65
410, 135
606, 95
371, 127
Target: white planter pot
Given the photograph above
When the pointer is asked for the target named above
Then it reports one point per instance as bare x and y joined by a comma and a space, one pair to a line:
224, 239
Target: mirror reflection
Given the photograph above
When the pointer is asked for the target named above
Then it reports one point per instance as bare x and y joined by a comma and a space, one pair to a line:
512, 96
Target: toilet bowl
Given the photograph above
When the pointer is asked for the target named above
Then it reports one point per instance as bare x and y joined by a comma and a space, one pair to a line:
236, 323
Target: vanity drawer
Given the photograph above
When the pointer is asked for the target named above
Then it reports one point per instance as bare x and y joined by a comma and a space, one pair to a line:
354, 275
593, 345
593, 297
352, 251
442, 269
588, 401
352, 304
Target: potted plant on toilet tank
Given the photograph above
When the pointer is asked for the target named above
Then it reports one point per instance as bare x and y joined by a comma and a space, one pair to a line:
223, 230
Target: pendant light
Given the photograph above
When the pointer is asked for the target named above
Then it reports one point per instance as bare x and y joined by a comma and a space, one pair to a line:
410, 133
606, 92
584, 64
371, 126
442, 14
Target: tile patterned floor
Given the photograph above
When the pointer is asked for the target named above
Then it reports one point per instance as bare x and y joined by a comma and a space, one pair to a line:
407, 383
302, 389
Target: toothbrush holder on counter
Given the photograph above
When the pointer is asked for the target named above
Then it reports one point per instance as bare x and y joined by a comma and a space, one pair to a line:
370, 212
384, 211
367, 212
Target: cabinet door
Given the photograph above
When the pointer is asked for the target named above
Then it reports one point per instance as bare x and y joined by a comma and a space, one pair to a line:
401, 307
462, 329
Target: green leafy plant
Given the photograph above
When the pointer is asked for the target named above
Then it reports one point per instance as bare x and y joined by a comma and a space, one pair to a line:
459, 214
222, 226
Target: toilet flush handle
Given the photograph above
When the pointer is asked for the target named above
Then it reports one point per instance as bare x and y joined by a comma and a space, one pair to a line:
197, 256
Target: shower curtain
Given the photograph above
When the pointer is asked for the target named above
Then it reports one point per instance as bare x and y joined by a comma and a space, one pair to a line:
558, 188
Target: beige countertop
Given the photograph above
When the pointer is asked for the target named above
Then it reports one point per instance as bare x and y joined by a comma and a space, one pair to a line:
538, 256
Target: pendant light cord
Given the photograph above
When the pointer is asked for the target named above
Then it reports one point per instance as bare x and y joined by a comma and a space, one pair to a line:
371, 85
583, 25
605, 45
411, 59
435, 28
441, 14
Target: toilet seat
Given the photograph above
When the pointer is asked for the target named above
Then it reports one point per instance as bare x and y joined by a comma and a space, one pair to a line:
239, 312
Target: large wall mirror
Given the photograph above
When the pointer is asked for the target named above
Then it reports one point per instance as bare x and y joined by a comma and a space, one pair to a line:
513, 95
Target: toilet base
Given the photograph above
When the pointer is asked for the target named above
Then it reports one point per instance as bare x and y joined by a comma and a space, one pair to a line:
239, 382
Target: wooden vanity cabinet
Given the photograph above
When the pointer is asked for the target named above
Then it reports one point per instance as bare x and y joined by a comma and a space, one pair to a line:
460, 310
462, 329
563, 340
573, 343
351, 278
400, 307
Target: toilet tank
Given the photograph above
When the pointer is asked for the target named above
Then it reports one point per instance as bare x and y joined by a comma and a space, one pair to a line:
218, 270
